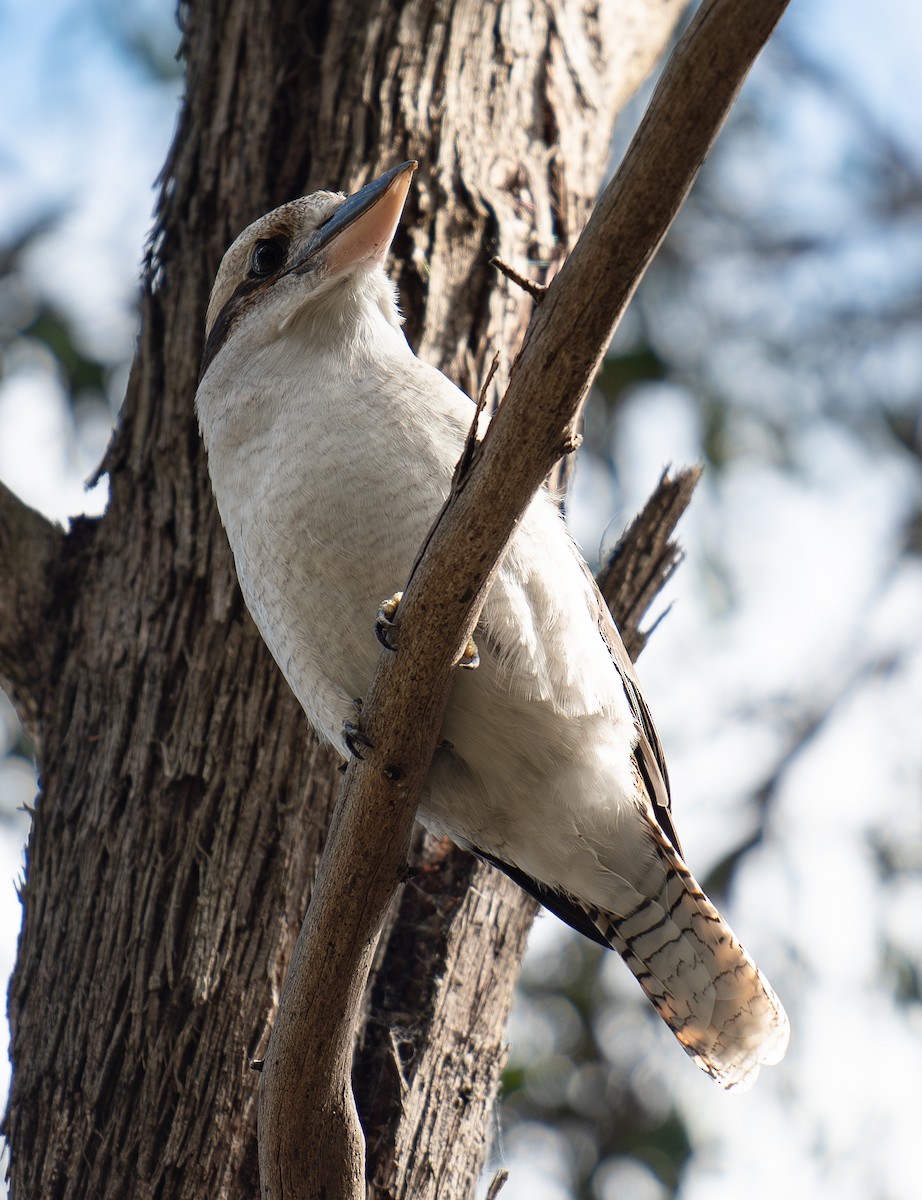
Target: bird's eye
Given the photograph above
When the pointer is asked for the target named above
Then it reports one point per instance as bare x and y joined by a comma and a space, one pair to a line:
267, 257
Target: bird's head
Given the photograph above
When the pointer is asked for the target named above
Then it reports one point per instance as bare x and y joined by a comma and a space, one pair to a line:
286, 262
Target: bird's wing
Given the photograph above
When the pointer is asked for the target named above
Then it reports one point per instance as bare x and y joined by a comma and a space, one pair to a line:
648, 757
570, 910
540, 601
648, 753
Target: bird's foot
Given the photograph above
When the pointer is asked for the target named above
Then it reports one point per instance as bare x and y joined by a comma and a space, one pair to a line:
384, 621
355, 740
471, 656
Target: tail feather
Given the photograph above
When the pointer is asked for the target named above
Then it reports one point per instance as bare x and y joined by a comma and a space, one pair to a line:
697, 975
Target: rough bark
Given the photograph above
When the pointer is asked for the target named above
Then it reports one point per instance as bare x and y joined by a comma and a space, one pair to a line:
29, 547
184, 804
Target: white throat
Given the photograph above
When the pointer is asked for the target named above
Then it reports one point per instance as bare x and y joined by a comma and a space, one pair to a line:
352, 321
290, 353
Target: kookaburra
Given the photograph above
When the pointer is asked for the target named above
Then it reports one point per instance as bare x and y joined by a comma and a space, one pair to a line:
331, 449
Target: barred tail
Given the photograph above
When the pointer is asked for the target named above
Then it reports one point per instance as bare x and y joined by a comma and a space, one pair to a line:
699, 978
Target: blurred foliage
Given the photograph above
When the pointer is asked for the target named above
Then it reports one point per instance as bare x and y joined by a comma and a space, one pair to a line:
569, 1086
622, 370
144, 37
34, 330
54, 330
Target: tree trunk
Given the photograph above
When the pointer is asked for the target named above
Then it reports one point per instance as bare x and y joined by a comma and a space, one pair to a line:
184, 801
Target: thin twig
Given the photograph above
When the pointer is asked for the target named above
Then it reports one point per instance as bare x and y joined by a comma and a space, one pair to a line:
473, 434
462, 467
536, 290
497, 1183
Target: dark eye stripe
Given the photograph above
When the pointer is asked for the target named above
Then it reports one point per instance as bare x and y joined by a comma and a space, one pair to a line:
283, 230
226, 319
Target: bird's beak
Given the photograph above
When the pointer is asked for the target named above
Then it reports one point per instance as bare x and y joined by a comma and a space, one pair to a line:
363, 226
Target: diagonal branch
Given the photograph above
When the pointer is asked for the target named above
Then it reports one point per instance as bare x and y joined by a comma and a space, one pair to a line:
310, 1139
646, 558
29, 543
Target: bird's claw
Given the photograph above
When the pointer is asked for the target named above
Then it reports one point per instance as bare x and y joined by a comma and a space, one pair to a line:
355, 740
471, 656
384, 621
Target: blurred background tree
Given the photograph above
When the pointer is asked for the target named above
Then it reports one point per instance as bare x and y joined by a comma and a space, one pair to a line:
777, 339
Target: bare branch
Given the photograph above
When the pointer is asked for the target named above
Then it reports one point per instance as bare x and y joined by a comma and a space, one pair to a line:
646, 557
310, 1139
28, 545
497, 1183
537, 291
